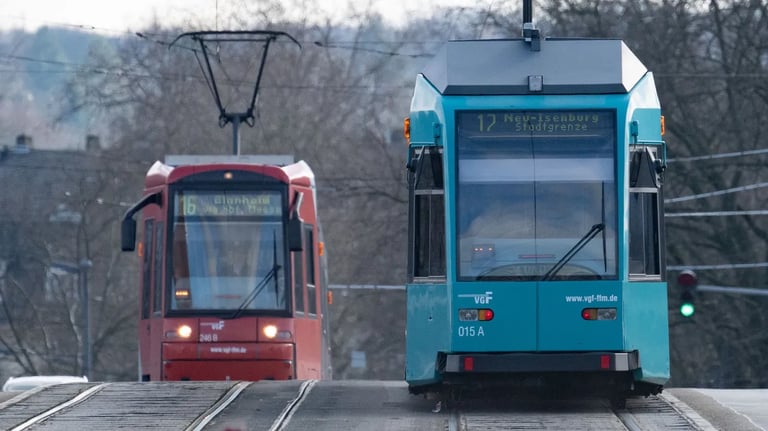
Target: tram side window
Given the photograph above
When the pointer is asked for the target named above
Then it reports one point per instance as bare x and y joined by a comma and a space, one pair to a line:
644, 216
146, 248
158, 297
310, 253
298, 281
427, 215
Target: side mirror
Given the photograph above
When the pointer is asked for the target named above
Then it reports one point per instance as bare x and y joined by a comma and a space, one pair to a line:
295, 242
128, 234
295, 227
128, 226
645, 171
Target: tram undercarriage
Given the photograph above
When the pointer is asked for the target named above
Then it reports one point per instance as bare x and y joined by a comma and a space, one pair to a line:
486, 378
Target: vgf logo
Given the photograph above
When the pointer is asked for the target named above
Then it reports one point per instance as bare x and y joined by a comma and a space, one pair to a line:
216, 326
480, 298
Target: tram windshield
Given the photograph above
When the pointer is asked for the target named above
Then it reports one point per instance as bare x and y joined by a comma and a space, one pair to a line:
228, 252
536, 195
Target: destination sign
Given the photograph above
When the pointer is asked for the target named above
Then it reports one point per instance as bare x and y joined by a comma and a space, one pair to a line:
228, 203
511, 123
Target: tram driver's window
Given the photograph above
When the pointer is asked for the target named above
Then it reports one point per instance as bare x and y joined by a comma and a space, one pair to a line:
427, 226
644, 256
298, 281
644, 214
146, 280
158, 261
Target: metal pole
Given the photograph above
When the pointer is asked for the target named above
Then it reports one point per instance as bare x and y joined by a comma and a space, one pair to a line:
236, 135
527, 11
87, 353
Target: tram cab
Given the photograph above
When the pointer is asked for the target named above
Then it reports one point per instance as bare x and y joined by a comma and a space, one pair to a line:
536, 220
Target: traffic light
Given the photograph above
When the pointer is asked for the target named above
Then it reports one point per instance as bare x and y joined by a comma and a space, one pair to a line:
687, 281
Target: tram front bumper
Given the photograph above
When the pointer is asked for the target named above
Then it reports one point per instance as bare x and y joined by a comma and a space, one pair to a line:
541, 362
228, 361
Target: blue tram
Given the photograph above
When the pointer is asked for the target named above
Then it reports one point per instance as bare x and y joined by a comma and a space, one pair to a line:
536, 240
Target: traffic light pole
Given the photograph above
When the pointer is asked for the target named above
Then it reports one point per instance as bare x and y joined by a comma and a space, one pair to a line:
689, 283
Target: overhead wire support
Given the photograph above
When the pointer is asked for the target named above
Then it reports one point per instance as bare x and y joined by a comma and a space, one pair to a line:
718, 156
719, 266
735, 290
717, 213
716, 193
531, 34
228, 36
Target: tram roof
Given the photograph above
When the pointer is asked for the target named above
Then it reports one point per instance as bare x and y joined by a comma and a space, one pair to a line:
160, 173
503, 67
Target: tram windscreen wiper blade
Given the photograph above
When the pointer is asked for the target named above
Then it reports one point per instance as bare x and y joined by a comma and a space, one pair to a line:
263, 283
593, 231
256, 291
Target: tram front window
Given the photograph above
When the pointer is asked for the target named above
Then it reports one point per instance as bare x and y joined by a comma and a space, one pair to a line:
228, 263
533, 197
222, 263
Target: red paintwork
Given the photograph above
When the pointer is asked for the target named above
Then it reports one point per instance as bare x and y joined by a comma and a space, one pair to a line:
235, 349
307, 364
228, 351
227, 370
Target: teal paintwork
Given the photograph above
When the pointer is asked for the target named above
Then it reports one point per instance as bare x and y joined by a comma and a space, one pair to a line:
427, 332
536, 316
646, 328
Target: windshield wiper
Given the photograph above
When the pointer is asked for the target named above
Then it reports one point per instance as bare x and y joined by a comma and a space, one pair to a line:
262, 283
256, 291
593, 231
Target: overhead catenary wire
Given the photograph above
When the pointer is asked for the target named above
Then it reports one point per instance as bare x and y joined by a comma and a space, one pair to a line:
383, 91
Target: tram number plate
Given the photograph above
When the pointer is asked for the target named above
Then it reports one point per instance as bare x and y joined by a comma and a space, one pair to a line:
471, 331
209, 338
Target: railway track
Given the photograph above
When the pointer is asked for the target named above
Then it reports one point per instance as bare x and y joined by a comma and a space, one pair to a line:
320, 406
644, 414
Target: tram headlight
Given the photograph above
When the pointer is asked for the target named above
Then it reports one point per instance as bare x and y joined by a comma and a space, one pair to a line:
184, 331
270, 331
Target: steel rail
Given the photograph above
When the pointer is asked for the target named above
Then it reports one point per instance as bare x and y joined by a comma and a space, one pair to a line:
628, 420
285, 416
50, 412
210, 414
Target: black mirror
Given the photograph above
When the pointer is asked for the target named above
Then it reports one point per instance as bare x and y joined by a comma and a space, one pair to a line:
294, 227
128, 227
128, 234
645, 171
295, 242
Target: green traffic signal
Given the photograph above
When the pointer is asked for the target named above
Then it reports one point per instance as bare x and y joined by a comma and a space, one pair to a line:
688, 281
687, 309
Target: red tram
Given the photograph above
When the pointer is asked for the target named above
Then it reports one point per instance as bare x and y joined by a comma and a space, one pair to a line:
232, 270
